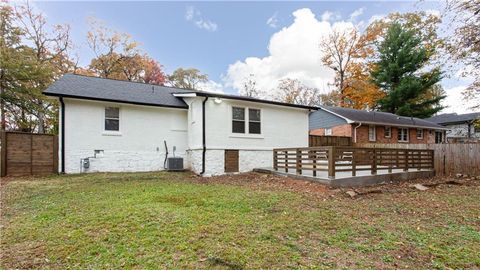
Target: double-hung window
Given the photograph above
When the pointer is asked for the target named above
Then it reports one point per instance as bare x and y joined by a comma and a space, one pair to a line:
388, 132
112, 119
372, 134
403, 134
420, 134
254, 126
240, 118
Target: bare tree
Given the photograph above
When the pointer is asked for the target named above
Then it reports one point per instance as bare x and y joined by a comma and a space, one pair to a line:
250, 87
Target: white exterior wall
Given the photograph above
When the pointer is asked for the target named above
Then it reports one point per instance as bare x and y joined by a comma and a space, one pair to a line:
461, 131
138, 146
281, 126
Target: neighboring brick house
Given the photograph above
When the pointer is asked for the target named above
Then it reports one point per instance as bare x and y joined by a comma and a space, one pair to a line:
461, 127
373, 127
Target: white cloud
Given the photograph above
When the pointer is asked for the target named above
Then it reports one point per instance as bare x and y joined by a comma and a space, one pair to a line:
293, 53
330, 16
273, 21
356, 13
454, 101
195, 16
433, 12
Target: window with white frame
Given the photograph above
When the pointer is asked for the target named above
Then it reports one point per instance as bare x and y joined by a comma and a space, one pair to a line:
388, 132
112, 119
328, 132
254, 124
419, 133
238, 120
372, 134
403, 134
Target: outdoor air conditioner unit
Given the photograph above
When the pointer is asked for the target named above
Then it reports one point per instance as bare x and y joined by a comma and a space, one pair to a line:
175, 164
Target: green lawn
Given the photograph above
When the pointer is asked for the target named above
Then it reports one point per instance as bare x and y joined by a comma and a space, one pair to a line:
166, 220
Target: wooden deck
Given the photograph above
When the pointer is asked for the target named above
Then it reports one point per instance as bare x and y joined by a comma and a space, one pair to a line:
338, 165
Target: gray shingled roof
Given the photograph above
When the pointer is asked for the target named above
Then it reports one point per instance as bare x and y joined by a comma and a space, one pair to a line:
94, 88
78, 86
372, 117
450, 118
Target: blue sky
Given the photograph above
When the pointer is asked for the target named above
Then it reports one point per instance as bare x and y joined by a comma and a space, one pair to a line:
219, 37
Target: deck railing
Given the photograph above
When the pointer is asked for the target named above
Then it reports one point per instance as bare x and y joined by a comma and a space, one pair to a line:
333, 159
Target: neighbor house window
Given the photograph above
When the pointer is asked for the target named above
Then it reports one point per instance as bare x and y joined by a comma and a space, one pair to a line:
238, 120
372, 136
254, 126
438, 137
328, 132
403, 134
388, 132
420, 133
112, 119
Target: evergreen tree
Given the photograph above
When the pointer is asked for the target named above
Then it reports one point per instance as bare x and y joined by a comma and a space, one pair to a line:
401, 73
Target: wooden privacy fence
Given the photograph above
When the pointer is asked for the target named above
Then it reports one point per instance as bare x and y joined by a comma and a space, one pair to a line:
28, 154
450, 158
333, 159
314, 140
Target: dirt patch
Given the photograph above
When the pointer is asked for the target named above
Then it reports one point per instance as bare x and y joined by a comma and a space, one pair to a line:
267, 182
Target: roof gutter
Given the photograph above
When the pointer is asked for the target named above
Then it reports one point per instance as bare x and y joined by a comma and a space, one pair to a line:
400, 125
62, 130
355, 132
204, 141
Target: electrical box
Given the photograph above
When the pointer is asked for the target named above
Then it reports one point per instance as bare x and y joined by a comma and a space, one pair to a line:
175, 164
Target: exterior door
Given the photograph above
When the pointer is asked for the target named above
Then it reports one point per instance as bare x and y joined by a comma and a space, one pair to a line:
231, 161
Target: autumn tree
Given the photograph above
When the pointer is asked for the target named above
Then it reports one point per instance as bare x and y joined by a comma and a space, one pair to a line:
400, 73
189, 78
295, 92
153, 73
464, 45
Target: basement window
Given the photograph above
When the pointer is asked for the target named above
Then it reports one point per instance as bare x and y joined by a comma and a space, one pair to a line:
238, 120
112, 119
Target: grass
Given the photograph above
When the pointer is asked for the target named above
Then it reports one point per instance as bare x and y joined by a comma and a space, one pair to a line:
164, 220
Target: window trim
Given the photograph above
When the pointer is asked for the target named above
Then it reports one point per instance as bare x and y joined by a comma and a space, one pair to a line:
401, 137
247, 133
244, 120
389, 133
254, 121
374, 133
328, 133
112, 132
420, 137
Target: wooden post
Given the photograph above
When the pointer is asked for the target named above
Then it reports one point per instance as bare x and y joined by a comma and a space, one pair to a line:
275, 161
4, 154
286, 161
354, 163
298, 163
405, 168
374, 161
419, 160
314, 160
390, 161
331, 162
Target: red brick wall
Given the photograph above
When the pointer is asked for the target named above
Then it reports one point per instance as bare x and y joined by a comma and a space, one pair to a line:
362, 135
342, 130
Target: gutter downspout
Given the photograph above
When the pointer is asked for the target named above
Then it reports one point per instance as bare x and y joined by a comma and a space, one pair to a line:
355, 132
204, 144
62, 128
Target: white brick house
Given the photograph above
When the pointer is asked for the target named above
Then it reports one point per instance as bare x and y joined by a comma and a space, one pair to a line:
128, 123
